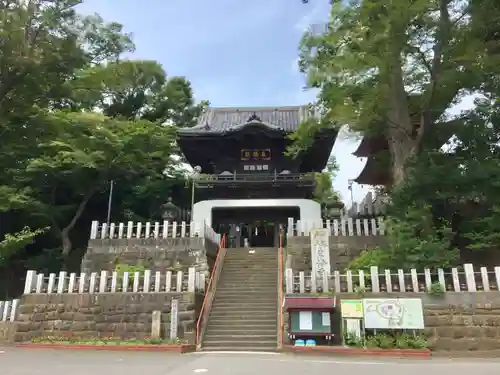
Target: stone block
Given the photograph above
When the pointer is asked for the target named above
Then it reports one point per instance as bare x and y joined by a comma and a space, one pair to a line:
155, 254
126, 315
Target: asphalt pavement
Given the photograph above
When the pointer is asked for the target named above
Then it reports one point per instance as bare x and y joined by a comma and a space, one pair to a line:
21, 361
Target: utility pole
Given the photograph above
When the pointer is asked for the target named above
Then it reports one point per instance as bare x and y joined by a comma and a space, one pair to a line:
110, 199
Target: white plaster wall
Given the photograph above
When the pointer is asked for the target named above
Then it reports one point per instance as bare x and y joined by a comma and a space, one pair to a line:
309, 209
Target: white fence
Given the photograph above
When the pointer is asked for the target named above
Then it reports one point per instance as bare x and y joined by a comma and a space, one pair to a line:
112, 282
155, 230
454, 280
9, 310
338, 227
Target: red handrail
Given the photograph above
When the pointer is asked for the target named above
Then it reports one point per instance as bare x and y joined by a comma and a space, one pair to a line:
222, 244
280, 293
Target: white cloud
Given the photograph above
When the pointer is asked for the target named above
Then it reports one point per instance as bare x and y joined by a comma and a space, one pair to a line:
318, 14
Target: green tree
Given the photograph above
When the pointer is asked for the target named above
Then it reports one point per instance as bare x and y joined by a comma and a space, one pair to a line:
323, 191
434, 219
135, 89
86, 152
42, 44
394, 68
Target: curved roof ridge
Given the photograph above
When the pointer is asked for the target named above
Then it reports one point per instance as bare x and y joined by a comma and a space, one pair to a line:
221, 120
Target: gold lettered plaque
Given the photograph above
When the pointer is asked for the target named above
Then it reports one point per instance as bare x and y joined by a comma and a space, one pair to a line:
256, 154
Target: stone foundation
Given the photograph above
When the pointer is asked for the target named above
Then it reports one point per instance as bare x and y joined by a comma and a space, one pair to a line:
156, 254
455, 322
343, 249
86, 316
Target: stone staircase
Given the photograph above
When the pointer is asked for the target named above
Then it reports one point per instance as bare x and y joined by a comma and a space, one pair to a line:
244, 314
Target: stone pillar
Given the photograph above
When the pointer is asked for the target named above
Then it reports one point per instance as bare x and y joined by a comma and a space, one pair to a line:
320, 252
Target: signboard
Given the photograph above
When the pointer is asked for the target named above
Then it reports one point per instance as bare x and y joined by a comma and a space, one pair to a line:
353, 327
256, 154
305, 320
174, 312
309, 322
351, 308
401, 313
320, 251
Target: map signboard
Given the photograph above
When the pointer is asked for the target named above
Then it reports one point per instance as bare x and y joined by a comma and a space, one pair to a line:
400, 313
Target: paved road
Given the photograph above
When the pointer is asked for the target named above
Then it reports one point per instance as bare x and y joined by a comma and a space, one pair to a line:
18, 361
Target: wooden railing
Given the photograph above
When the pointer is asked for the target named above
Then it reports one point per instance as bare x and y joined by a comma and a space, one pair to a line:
210, 292
254, 177
281, 270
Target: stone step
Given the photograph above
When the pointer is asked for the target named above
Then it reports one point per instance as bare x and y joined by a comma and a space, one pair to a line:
244, 277
255, 256
221, 302
251, 262
219, 309
249, 271
243, 304
253, 250
249, 282
249, 275
247, 294
233, 337
245, 266
244, 314
260, 269
248, 301
216, 334
270, 328
242, 283
247, 256
237, 320
252, 294
247, 348
241, 322
242, 343
265, 260
248, 290
227, 314
226, 301
242, 286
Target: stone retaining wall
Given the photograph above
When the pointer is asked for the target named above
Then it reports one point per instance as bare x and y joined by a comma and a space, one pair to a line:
156, 254
124, 315
342, 250
455, 322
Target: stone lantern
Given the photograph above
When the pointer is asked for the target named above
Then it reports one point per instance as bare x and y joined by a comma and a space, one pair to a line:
170, 211
332, 209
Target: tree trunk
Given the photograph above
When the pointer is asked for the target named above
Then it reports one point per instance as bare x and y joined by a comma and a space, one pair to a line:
401, 152
66, 241
399, 132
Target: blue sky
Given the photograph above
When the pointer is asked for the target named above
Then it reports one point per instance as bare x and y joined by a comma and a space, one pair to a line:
234, 52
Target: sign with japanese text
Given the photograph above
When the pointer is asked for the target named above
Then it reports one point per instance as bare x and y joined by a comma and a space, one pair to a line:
256, 154
320, 251
399, 313
351, 308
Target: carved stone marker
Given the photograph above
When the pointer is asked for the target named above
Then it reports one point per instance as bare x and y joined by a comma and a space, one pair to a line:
320, 252
174, 312
156, 325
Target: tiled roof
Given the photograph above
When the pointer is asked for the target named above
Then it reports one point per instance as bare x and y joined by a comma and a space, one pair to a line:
222, 120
